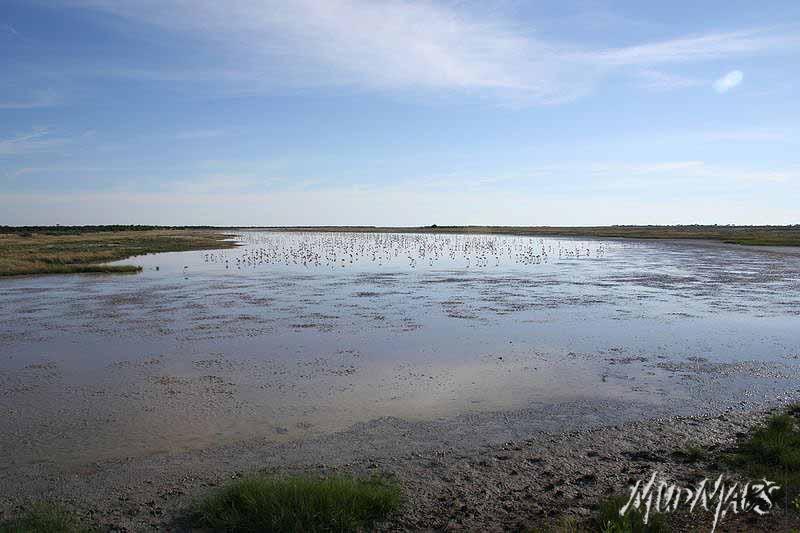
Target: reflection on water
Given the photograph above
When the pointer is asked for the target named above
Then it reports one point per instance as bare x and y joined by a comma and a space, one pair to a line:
295, 334
397, 251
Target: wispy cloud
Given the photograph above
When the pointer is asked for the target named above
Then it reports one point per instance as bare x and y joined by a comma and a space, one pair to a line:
390, 44
417, 44
62, 170
36, 141
711, 46
39, 99
728, 81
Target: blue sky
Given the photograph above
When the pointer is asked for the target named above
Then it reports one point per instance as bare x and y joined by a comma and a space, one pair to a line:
399, 112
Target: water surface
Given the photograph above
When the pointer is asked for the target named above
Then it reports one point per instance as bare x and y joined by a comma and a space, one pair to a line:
297, 334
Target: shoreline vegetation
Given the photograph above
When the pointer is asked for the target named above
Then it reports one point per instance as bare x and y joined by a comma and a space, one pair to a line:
297, 503
71, 250
29, 250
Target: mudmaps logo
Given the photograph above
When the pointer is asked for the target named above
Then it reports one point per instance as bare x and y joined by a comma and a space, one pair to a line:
720, 497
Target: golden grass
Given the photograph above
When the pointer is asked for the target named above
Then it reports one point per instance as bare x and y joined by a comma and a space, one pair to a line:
41, 253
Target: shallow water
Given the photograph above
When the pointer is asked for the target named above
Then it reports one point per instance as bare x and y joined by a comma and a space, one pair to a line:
297, 334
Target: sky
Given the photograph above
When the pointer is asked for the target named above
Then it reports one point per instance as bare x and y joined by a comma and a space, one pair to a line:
399, 112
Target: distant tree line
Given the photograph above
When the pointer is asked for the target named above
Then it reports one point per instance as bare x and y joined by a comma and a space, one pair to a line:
77, 230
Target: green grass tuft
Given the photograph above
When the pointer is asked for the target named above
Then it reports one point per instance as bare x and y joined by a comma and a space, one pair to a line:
608, 519
691, 454
773, 452
297, 504
566, 524
45, 518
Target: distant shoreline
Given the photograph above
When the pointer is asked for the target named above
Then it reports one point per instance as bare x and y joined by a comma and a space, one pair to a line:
743, 235
36, 250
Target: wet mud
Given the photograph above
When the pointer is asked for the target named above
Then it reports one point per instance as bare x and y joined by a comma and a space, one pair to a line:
467, 340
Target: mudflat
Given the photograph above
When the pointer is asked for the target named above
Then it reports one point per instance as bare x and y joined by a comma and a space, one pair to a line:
297, 349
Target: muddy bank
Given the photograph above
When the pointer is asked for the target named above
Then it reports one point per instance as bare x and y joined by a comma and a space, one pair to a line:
450, 482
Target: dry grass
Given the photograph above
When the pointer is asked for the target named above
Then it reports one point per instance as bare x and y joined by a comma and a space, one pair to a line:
42, 253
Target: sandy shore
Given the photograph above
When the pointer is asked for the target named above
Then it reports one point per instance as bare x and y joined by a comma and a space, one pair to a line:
517, 484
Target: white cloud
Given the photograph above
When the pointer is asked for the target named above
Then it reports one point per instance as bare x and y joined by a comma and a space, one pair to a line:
728, 81
392, 43
708, 47
412, 44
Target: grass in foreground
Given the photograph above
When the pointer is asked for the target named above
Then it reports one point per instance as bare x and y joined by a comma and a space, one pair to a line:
608, 519
45, 518
773, 452
691, 454
297, 504
66, 253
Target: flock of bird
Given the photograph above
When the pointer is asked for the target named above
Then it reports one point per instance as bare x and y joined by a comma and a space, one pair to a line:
339, 250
